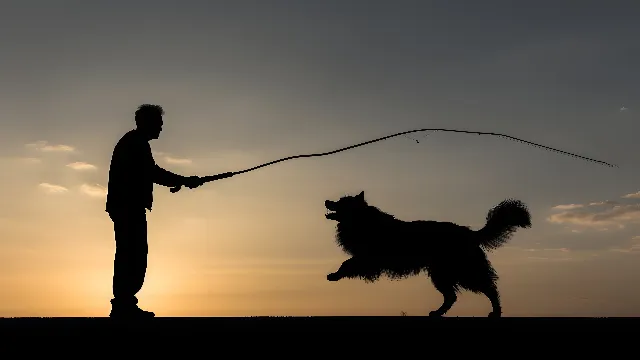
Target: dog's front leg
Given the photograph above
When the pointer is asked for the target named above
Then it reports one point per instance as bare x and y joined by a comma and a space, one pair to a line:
346, 269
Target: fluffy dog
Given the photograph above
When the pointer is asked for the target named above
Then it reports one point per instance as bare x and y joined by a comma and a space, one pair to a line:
453, 256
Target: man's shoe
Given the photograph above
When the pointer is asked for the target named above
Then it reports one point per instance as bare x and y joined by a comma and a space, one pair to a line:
131, 313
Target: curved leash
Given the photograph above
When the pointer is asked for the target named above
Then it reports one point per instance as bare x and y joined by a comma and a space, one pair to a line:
206, 179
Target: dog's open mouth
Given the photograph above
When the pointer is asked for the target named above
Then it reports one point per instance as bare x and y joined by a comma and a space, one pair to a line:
330, 214
330, 207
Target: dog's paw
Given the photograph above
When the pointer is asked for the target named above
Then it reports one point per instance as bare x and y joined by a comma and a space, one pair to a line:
435, 313
495, 314
333, 277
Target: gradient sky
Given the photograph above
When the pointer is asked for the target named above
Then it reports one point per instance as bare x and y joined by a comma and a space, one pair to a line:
246, 82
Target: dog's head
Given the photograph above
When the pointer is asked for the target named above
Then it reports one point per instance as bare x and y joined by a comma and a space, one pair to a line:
347, 207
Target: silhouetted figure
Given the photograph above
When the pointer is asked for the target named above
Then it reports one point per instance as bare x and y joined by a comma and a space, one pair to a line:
132, 175
452, 255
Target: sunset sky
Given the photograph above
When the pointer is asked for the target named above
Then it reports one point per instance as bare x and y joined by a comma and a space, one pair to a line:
247, 82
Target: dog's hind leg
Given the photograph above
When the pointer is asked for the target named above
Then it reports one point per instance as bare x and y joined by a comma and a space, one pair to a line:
494, 296
448, 292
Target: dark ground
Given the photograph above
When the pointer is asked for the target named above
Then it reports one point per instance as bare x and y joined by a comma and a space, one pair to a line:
328, 325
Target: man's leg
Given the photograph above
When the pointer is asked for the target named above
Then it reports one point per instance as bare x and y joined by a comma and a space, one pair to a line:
130, 263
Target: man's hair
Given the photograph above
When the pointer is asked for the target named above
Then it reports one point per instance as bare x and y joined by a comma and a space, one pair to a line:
147, 111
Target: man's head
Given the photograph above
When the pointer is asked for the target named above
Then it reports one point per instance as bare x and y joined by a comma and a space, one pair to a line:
149, 120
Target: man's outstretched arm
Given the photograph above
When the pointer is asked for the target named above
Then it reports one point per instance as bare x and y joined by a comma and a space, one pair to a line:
167, 178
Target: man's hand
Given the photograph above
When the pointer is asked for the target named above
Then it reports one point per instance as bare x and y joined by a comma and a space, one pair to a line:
193, 182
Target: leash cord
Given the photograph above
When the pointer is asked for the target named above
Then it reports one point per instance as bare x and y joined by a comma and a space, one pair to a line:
217, 177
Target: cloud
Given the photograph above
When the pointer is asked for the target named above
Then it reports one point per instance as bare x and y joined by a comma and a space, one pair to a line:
45, 147
79, 165
635, 195
170, 159
581, 206
558, 249
177, 161
53, 189
98, 191
632, 247
567, 207
601, 214
618, 216
606, 202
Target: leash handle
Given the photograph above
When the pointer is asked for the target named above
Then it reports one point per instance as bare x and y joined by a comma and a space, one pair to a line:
206, 179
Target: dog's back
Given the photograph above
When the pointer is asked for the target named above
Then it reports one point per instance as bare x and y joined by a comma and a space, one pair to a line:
419, 237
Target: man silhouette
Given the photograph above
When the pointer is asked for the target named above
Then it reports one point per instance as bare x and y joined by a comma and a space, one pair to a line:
132, 175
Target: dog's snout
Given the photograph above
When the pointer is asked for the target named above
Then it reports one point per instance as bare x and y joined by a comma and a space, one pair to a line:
328, 204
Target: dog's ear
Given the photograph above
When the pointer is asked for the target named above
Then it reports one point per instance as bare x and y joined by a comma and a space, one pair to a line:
361, 195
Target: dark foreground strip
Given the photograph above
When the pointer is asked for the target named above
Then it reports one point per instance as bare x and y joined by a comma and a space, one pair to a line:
328, 325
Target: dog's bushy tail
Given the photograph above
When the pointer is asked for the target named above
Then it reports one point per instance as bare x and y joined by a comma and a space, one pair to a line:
502, 221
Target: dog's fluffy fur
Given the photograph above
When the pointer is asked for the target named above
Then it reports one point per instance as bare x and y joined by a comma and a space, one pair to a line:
453, 256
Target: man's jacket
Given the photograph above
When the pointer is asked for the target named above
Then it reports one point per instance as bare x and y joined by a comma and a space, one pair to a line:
132, 174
